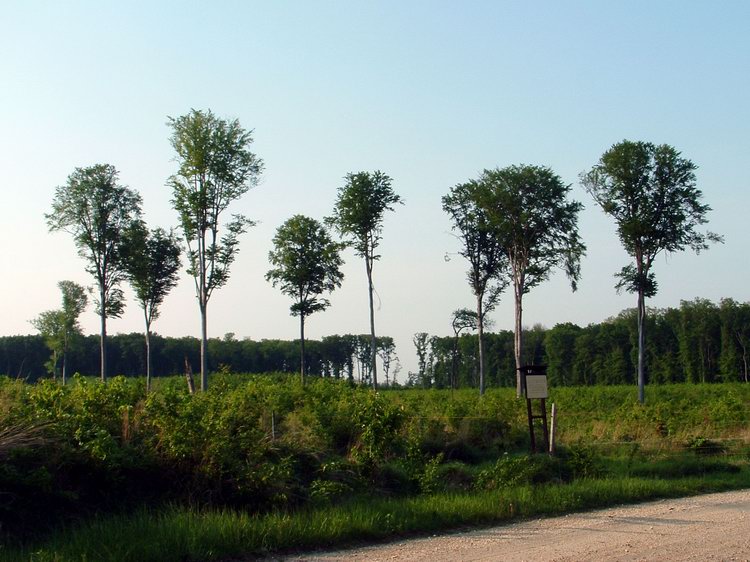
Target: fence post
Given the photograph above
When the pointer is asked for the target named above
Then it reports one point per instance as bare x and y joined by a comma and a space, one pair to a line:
552, 428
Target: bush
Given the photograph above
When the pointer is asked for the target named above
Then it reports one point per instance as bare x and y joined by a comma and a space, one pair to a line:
582, 461
682, 468
702, 446
511, 471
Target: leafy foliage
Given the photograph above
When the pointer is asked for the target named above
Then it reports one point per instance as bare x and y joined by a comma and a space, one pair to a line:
152, 263
264, 442
306, 264
97, 211
650, 192
482, 247
358, 216
216, 168
537, 228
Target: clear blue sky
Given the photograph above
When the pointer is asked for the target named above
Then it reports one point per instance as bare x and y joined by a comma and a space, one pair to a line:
429, 92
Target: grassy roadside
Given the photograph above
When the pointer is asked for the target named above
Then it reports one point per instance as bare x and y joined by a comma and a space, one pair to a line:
179, 534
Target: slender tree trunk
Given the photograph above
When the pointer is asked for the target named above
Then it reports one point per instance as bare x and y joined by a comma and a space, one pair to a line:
744, 356
518, 339
204, 349
480, 337
641, 346
148, 358
302, 348
373, 340
203, 303
103, 335
454, 359
64, 367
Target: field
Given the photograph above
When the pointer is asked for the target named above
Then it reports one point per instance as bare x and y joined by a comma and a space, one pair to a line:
261, 463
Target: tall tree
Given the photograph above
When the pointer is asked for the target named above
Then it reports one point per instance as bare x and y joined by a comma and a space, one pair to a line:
216, 168
152, 263
464, 319
537, 228
97, 211
51, 326
482, 247
60, 327
358, 217
306, 263
387, 352
735, 340
421, 341
650, 191
559, 345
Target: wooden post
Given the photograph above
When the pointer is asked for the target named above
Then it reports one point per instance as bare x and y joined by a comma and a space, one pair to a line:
553, 427
189, 376
531, 426
534, 378
545, 428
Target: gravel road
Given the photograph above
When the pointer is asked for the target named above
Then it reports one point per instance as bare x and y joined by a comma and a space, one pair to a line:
710, 527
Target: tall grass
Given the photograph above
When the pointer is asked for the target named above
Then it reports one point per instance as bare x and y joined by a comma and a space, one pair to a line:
181, 534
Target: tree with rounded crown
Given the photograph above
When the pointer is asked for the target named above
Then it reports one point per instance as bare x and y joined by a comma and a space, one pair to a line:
306, 263
481, 246
358, 217
152, 263
537, 228
60, 327
97, 211
650, 191
216, 168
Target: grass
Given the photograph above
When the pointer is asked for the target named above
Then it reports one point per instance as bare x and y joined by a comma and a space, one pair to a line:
180, 534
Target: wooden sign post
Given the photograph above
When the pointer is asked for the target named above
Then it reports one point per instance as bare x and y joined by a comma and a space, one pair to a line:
536, 389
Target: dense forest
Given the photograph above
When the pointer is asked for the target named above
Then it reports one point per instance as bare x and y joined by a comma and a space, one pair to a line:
700, 341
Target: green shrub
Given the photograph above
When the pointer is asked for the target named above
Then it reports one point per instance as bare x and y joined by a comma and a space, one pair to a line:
510, 471
682, 468
455, 477
582, 461
702, 446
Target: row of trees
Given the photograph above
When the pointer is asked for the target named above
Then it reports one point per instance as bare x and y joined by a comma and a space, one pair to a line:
338, 356
698, 342
517, 224
215, 168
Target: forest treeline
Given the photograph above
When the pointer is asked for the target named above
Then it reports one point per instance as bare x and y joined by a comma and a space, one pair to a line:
335, 356
701, 341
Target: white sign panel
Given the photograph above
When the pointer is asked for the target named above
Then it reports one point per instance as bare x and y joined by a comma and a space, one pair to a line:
536, 386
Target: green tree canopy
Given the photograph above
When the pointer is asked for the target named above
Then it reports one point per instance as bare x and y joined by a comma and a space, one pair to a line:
537, 227
215, 168
306, 264
358, 217
60, 327
96, 210
650, 191
481, 246
152, 263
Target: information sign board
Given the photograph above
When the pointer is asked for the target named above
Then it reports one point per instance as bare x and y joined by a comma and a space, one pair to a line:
536, 386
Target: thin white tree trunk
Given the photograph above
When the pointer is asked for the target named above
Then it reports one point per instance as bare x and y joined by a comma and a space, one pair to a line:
518, 338
148, 359
480, 337
373, 340
302, 347
641, 345
103, 335
204, 350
